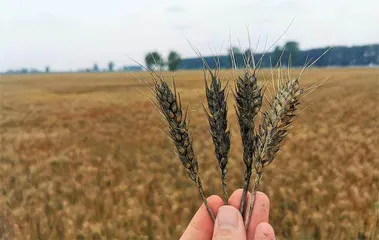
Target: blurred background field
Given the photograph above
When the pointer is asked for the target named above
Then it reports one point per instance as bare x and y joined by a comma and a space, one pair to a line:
84, 156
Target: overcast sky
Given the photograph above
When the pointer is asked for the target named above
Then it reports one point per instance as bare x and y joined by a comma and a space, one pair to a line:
73, 34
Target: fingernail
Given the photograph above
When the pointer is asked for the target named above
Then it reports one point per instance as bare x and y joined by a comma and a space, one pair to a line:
227, 217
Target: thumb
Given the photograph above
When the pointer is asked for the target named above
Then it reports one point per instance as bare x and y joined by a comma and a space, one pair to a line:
229, 224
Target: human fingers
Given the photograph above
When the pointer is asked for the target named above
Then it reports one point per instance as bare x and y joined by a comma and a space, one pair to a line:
229, 224
201, 225
260, 211
264, 231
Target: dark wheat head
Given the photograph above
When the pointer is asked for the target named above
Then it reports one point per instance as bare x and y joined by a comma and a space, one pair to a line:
217, 118
248, 98
170, 106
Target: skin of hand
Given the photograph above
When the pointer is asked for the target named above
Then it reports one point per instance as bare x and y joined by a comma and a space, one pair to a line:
229, 223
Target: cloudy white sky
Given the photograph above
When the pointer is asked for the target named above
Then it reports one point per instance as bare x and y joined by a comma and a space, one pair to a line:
73, 34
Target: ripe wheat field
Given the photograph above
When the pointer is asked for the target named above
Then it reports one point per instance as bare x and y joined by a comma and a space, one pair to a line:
85, 156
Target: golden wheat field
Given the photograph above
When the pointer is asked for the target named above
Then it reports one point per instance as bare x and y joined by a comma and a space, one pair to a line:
85, 156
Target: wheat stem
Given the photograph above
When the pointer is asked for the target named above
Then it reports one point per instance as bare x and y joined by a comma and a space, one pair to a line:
251, 203
201, 191
246, 184
224, 189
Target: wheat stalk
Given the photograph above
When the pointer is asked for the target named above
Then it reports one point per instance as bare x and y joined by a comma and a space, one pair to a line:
170, 106
217, 118
248, 97
272, 132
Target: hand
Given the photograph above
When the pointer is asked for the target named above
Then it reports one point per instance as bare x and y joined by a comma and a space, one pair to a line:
229, 223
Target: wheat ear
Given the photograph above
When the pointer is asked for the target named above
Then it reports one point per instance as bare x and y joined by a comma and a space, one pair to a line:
272, 132
170, 106
217, 118
248, 97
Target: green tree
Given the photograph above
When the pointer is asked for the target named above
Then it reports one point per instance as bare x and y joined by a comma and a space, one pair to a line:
235, 52
95, 68
153, 61
292, 53
276, 56
173, 61
110, 66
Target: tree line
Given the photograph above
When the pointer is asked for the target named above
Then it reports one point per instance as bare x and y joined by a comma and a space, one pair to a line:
289, 54
110, 67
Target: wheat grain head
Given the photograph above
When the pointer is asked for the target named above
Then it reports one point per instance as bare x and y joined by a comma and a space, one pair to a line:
272, 131
170, 106
248, 98
217, 118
